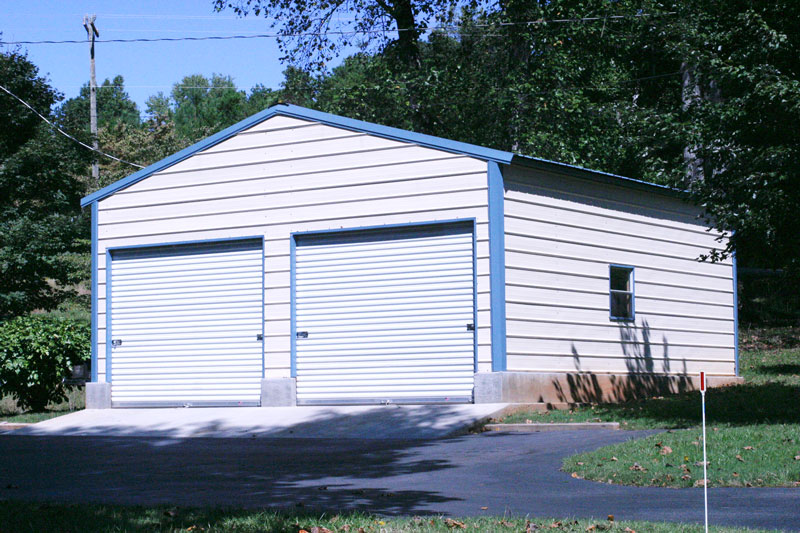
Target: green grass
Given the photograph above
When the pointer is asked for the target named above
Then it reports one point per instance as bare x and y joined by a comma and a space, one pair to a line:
747, 456
10, 411
770, 395
753, 432
43, 518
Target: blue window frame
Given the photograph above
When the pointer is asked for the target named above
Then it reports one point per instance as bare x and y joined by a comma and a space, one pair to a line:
621, 293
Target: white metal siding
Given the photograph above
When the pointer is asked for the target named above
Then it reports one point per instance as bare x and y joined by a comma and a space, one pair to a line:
287, 175
386, 318
561, 233
187, 318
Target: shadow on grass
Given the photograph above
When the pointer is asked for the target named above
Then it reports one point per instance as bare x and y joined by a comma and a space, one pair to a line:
778, 370
44, 517
769, 403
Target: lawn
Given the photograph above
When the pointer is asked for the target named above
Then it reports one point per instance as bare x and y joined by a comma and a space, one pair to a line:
31, 517
10, 411
770, 395
753, 429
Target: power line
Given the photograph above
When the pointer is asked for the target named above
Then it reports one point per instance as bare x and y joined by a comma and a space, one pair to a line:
611, 18
65, 134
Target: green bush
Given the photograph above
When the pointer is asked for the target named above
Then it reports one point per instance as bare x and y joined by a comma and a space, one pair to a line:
36, 355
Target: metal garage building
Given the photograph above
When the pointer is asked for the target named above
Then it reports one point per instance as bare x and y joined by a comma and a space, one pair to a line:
301, 257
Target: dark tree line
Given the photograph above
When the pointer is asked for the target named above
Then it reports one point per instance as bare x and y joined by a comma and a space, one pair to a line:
697, 94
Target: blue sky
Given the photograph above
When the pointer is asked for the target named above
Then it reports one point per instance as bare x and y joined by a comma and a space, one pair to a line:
146, 67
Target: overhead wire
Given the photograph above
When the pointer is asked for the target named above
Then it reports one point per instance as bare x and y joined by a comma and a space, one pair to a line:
64, 133
342, 32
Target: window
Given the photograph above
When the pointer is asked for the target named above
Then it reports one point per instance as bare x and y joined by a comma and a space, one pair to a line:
621, 303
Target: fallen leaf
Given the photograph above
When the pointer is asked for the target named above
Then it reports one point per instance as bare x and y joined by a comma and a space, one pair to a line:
700, 483
686, 476
556, 524
614, 458
580, 463
666, 450
629, 530
748, 447
591, 528
528, 421
637, 468
735, 474
575, 475
739, 457
320, 529
484, 508
797, 457
610, 518
659, 444
695, 443
505, 523
452, 524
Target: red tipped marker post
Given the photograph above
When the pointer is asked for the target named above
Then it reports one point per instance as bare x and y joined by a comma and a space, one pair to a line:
705, 457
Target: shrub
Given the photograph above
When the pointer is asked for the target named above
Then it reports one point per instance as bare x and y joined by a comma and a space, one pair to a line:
36, 355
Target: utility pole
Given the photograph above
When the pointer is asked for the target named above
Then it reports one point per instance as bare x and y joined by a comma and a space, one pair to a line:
92, 33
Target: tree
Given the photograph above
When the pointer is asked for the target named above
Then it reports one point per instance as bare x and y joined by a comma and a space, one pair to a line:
746, 124
204, 106
313, 31
114, 106
42, 229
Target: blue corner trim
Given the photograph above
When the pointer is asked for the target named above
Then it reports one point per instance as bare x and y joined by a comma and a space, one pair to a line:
95, 283
497, 266
294, 111
631, 318
292, 311
735, 313
108, 315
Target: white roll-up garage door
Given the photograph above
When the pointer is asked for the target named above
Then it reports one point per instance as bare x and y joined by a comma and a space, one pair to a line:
385, 316
186, 324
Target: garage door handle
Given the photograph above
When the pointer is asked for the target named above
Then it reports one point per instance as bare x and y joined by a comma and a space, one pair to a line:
260, 337
302, 334
470, 327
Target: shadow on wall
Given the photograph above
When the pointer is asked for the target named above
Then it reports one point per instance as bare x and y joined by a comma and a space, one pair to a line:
642, 379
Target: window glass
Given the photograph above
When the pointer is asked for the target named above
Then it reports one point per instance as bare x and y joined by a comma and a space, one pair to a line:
621, 293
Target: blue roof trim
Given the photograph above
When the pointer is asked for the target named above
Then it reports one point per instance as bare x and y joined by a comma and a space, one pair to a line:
429, 141
294, 111
597, 175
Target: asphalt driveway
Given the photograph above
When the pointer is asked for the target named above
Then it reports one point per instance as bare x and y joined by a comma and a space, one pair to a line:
514, 474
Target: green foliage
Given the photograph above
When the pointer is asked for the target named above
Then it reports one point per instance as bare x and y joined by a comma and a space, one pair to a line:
36, 355
114, 107
41, 223
314, 31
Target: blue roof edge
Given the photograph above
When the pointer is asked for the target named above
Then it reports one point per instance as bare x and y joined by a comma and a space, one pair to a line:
597, 175
289, 110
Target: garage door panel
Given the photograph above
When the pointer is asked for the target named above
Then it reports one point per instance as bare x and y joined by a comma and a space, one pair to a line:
385, 318
187, 319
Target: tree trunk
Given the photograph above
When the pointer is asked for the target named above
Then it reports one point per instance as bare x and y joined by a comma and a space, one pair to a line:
408, 34
690, 94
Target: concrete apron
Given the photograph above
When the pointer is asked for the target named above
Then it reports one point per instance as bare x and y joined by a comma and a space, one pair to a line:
358, 422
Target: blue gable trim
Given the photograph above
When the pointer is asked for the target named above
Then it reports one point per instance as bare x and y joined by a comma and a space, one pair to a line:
303, 113
95, 310
497, 266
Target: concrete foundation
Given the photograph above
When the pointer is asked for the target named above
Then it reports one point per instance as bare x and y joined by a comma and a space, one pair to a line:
570, 388
278, 392
98, 395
